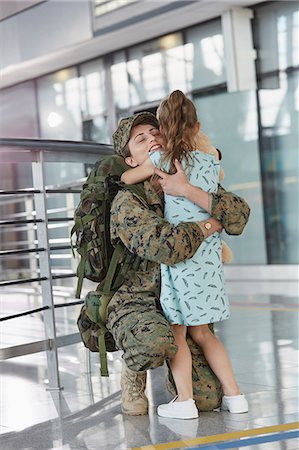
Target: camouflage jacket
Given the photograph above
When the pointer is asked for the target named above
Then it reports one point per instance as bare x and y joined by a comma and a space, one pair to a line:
146, 233
134, 316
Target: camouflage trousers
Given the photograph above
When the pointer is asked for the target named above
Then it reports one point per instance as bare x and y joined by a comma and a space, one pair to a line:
145, 337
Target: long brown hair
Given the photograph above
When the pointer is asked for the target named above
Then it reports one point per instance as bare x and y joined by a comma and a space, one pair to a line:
177, 117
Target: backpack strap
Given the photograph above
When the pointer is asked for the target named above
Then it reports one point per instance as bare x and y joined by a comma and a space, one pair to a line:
103, 355
117, 253
108, 293
80, 272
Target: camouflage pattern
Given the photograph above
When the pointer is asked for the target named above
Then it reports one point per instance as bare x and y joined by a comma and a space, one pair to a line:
91, 224
232, 211
122, 135
133, 314
90, 333
113, 165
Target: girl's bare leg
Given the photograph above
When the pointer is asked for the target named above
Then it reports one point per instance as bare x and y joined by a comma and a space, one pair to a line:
181, 364
216, 356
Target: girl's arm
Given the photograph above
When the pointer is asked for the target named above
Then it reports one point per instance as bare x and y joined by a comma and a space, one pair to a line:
231, 210
179, 185
139, 173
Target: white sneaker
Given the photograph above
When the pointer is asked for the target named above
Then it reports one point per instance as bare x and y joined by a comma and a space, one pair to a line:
235, 404
178, 410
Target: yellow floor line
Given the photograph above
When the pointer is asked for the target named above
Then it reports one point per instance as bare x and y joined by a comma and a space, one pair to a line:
220, 437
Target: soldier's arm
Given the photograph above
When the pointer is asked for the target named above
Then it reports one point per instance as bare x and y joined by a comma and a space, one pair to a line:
150, 236
232, 211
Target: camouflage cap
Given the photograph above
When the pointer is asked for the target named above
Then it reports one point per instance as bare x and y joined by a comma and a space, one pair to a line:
122, 134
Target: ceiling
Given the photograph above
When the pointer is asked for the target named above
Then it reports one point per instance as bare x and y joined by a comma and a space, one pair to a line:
115, 39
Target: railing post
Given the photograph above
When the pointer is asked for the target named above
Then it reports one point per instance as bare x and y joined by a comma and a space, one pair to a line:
28, 205
45, 270
70, 206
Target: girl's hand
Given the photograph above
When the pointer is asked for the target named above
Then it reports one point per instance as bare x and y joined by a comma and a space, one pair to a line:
176, 184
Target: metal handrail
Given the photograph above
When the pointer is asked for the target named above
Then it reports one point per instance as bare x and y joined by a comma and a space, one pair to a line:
30, 150
37, 152
43, 308
37, 145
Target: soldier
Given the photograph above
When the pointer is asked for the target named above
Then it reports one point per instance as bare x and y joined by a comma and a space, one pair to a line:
133, 314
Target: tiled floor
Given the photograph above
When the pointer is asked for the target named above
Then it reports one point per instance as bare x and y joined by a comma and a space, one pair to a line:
262, 340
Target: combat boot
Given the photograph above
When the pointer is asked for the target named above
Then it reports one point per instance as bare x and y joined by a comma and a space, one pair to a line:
134, 400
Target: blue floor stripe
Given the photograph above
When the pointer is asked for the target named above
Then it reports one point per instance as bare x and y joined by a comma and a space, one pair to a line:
250, 441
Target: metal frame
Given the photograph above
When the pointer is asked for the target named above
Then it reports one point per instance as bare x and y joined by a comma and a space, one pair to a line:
37, 152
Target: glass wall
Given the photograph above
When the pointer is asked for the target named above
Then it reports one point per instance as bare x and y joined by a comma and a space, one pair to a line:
230, 120
93, 102
257, 131
155, 68
18, 113
59, 105
120, 84
279, 107
204, 51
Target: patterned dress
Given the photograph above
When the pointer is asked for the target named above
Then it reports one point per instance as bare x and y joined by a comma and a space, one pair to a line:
193, 291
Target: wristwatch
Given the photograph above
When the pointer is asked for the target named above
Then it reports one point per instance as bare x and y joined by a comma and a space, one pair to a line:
208, 226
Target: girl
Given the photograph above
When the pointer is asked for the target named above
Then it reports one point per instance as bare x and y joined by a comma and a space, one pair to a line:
192, 292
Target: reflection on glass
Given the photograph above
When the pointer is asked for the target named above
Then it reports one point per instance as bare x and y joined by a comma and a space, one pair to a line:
60, 118
280, 21
287, 31
59, 105
136, 85
93, 101
120, 83
230, 120
212, 51
205, 55
156, 68
92, 84
279, 155
95, 130
176, 68
153, 69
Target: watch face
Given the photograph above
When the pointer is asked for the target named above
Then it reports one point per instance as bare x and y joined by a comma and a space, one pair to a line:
208, 226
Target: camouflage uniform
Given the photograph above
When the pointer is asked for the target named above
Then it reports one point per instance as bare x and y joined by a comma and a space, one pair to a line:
134, 316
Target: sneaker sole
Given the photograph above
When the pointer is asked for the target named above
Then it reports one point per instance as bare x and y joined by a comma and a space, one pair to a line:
235, 412
175, 416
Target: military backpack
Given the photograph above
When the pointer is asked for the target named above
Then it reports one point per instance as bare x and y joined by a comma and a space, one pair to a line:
100, 261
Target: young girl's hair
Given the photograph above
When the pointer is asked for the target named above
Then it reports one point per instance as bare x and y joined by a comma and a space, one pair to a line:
177, 117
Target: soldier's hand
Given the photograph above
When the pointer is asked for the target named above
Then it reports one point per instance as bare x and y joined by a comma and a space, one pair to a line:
176, 184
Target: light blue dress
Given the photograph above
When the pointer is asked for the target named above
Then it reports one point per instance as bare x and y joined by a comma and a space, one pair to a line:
193, 291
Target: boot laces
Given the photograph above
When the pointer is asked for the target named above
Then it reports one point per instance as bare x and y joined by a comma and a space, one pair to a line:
135, 386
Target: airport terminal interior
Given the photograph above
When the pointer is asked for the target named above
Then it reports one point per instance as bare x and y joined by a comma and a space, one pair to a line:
69, 70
